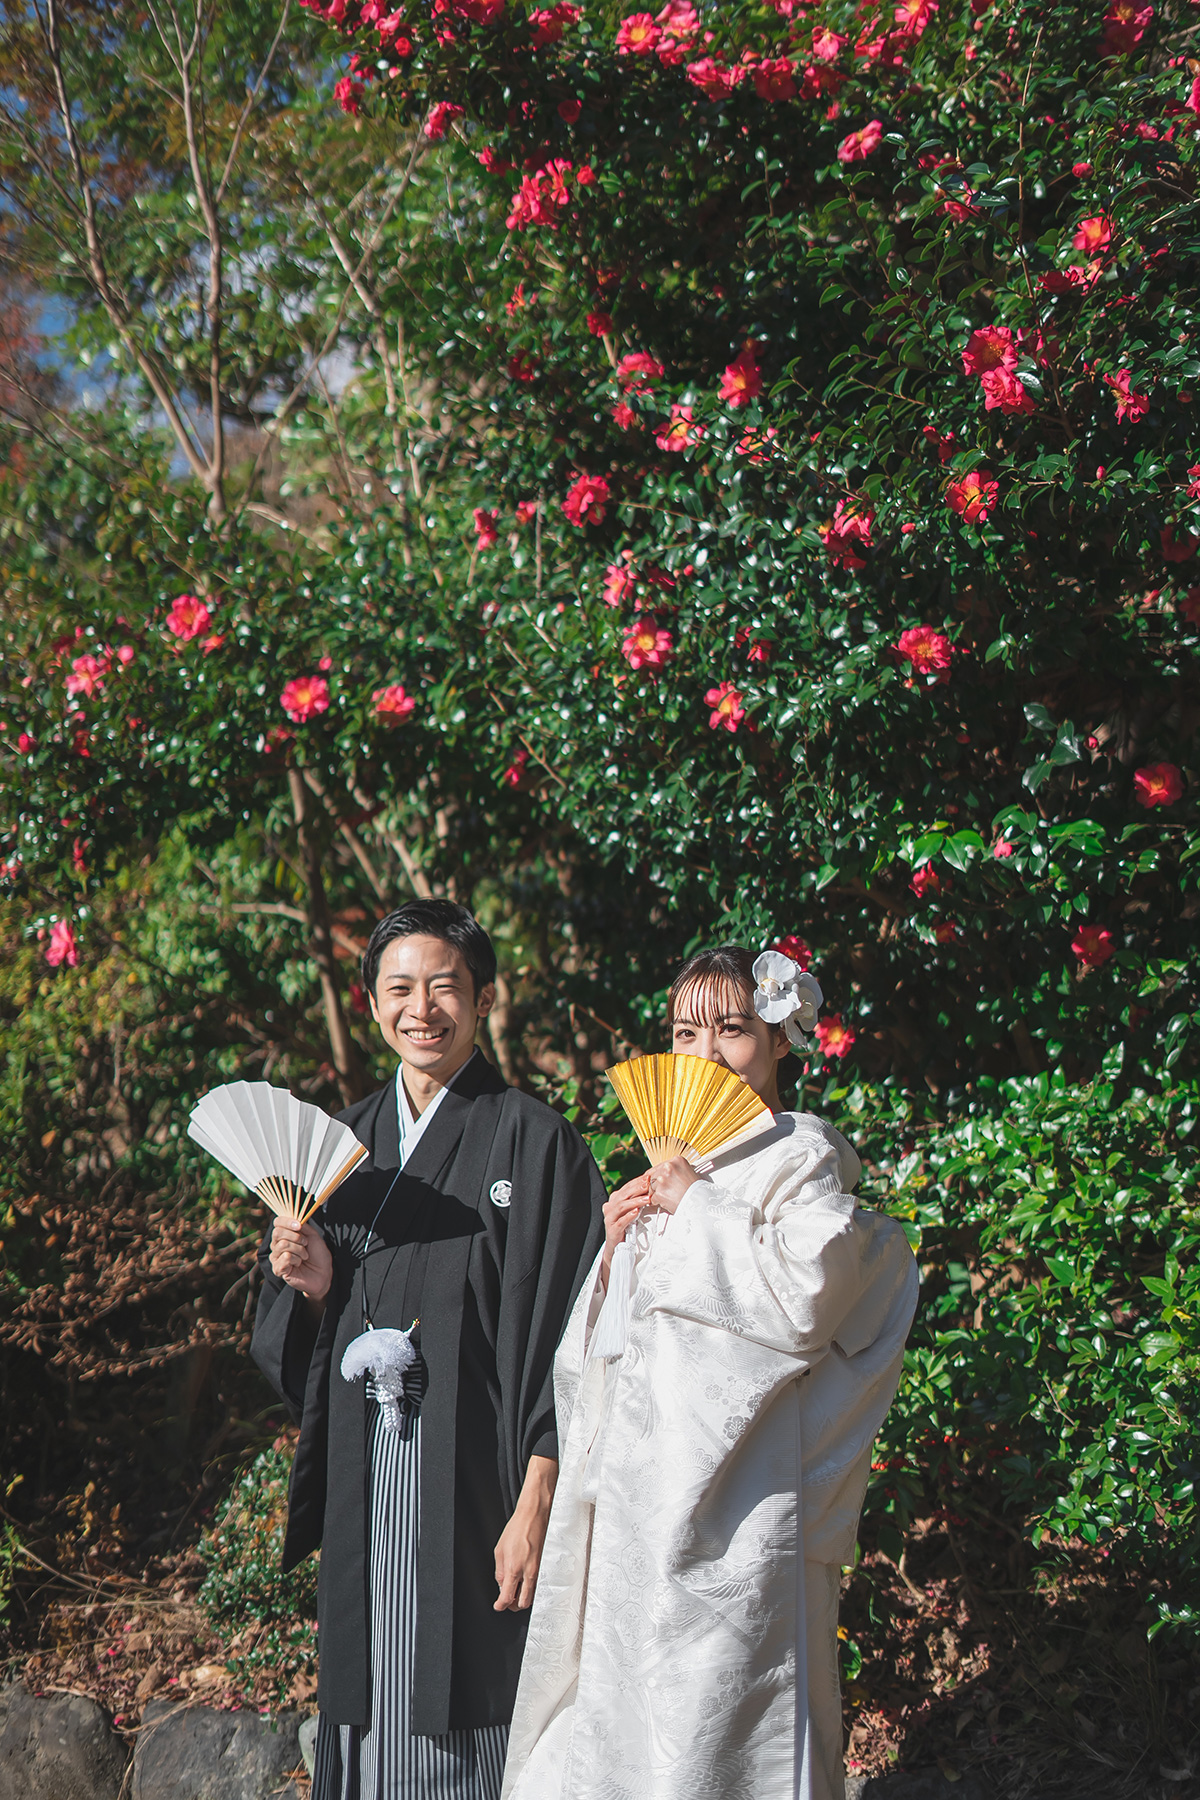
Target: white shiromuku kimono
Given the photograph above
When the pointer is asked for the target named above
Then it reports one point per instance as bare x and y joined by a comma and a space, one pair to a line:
683, 1638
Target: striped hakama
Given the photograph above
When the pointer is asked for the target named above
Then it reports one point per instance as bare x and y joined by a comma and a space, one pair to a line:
384, 1761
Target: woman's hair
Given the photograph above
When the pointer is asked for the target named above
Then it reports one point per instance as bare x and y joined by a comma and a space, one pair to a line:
438, 919
712, 973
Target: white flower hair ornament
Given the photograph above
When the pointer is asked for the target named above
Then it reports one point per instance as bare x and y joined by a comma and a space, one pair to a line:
785, 995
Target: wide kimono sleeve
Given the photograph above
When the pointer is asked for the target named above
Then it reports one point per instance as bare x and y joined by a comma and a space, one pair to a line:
783, 1260
555, 1229
285, 1333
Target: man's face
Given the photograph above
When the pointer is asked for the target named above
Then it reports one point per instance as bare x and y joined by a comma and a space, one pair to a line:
424, 1003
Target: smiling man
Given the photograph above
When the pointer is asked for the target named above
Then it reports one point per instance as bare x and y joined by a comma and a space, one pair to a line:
469, 1230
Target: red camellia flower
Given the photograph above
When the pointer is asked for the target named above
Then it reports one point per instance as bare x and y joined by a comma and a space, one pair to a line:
1159, 785
713, 78
727, 709
547, 25
945, 446
522, 367
569, 110
860, 144
924, 649
774, 79
599, 323
946, 931
1189, 606
795, 947
302, 698
485, 527
972, 496
1193, 488
835, 1038
624, 416
25, 743
1176, 547
1093, 946
1129, 404
679, 432
1001, 849
638, 371
1094, 235
587, 500
348, 93
826, 44
926, 880
638, 35
393, 704
1005, 392
645, 646
188, 617
87, 675
848, 532
512, 775
991, 347
62, 947
526, 510
441, 118
1125, 23
742, 381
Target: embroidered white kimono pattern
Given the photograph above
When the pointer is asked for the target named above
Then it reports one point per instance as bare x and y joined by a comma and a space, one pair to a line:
682, 1643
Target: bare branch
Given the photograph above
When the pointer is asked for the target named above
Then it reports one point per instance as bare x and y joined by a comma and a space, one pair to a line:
246, 110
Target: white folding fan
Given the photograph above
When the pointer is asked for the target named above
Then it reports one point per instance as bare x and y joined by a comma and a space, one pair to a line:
289, 1153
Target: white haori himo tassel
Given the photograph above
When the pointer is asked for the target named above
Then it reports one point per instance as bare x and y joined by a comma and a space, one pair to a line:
386, 1356
610, 1334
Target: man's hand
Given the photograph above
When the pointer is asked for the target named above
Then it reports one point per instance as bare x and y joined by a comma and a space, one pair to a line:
519, 1552
619, 1213
301, 1257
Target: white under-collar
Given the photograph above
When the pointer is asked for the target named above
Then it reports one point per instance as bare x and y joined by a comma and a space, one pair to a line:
413, 1125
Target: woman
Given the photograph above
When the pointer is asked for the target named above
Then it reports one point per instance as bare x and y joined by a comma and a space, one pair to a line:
683, 1638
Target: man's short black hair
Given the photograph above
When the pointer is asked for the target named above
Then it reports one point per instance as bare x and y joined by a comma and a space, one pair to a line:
439, 919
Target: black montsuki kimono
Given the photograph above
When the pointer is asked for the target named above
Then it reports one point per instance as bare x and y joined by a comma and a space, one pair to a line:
487, 1237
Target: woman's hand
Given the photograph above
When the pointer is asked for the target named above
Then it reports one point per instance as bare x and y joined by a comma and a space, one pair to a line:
669, 1182
619, 1213
301, 1257
519, 1552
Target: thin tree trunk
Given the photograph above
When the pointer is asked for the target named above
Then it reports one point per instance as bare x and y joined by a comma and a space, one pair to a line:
346, 1059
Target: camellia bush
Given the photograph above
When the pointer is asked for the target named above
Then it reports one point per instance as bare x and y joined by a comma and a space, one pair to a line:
784, 528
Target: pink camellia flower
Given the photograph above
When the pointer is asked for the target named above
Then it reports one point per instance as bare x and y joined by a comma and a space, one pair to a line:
972, 496
619, 581
512, 775
827, 46
1094, 235
1193, 488
1005, 392
834, 1037
774, 79
1159, 785
795, 947
548, 24
599, 323
587, 500
679, 432
638, 371
861, 144
926, 880
188, 617
125, 654
946, 931
848, 533
742, 381
755, 445
680, 22
485, 527
440, 119
713, 79
1125, 23
1062, 281
1176, 546
1093, 946
392, 704
87, 675
924, 649
727, 710
1002, 848
62, 947
912, 16
991, 347
304, 697
518, 300
646, 646
638, 35
1130, 405
526, 510
624, 416
348, 93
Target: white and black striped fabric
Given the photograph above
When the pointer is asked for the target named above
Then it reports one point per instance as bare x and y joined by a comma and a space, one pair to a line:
384, 1761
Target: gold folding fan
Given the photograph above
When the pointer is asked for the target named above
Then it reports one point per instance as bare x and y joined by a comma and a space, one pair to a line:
687, 1106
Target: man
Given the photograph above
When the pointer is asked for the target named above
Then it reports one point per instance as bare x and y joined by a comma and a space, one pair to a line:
471, 1228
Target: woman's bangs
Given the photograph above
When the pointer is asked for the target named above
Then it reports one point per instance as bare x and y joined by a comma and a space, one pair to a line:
707, 999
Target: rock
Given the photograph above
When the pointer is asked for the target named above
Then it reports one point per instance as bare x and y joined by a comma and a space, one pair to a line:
915, 1784
57, 1748
308, 1743
192, 1752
